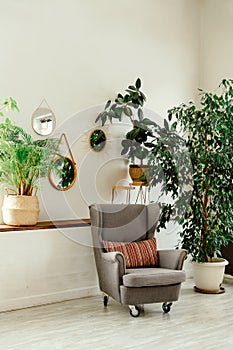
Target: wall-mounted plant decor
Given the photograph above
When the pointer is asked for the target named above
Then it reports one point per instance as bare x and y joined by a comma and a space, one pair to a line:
97, 140
64, 173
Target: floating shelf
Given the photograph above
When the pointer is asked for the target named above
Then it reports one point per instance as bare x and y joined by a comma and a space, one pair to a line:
48, 225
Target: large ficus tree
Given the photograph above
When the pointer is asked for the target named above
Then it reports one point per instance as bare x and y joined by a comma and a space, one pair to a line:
208, 133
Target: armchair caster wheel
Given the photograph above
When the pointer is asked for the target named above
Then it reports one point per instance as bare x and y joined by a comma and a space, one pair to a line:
134, 311
166, 307
105, 300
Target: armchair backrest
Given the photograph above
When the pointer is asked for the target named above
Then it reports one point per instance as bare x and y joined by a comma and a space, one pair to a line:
123, 222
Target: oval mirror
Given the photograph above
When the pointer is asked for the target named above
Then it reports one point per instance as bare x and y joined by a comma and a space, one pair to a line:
43, 121
97, 140
63, 173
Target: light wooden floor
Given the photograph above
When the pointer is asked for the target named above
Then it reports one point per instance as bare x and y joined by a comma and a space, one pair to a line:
196, 321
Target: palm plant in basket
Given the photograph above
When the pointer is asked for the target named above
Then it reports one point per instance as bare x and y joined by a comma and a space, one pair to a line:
23, 161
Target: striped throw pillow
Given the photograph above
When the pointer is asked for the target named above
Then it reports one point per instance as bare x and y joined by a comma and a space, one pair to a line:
136, 254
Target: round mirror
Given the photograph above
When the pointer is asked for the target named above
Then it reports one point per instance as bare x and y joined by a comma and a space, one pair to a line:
43, 121
63, 173
97, 140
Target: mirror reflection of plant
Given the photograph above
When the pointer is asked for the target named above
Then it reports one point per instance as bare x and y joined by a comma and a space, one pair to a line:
64, 171
97, 140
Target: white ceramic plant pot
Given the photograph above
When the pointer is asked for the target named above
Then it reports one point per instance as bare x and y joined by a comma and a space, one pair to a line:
20, 210
208, 276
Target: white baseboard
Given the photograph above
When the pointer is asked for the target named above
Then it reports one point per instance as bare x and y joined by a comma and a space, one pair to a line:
228, 278
36, 300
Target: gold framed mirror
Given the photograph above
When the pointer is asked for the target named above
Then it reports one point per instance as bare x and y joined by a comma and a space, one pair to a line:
97, 140
63, 174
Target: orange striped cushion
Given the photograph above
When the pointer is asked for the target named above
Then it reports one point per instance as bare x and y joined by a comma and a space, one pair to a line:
142, 253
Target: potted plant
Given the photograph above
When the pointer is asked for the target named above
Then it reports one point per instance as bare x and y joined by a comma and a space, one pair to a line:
22, 162
134, 145
154, 146
208, 224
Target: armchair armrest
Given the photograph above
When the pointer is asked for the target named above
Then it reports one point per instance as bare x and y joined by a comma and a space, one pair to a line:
111, 269
171, 258
114, 257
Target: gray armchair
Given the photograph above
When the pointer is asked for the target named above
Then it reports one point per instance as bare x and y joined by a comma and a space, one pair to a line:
137, 285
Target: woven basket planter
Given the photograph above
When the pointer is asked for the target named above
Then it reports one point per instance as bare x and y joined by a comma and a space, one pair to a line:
20, 210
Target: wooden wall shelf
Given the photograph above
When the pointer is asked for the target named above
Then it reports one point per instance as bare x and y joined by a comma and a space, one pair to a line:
48, 225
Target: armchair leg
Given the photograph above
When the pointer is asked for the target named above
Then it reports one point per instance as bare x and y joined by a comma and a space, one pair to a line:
105, 299
134, 311
166, 307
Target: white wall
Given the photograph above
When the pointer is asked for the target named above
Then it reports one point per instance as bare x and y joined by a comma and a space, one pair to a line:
76, 54
44, 266
216, 32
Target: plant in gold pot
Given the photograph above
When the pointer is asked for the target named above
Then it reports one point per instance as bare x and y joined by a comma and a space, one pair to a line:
23, 161
153, 145
134, 144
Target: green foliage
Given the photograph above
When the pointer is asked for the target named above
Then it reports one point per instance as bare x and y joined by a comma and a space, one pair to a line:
22, 160
123, 104
130, 105
64, 171
146, 141
97, 140
169, 166
160, 147
8, 104
208, 132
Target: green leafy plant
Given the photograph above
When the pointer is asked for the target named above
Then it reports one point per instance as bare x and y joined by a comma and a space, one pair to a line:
130, 105
8, 104
208, 132
22, 160
157, 146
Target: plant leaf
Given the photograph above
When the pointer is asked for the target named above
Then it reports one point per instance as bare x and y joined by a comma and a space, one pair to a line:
138, 83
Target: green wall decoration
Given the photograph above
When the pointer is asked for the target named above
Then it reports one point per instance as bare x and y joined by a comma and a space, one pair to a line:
97, 140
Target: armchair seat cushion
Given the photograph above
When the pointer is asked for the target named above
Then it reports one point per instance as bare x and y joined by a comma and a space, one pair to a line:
152, 276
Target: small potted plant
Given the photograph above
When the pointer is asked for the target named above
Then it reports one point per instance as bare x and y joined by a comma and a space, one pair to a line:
22, 162
208, 224
134, 145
